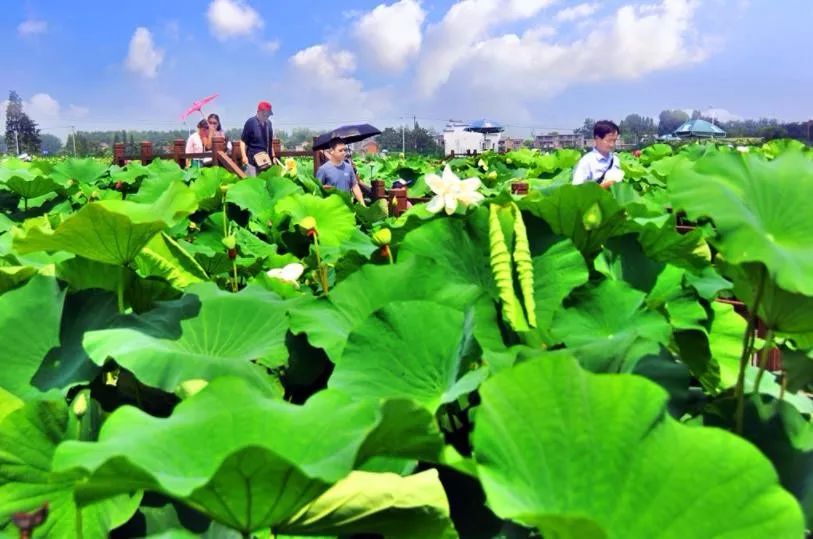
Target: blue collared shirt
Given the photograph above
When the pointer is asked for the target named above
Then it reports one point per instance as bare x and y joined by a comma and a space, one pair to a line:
593, 166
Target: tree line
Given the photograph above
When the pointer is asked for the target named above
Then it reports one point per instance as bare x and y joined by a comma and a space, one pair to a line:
23, 135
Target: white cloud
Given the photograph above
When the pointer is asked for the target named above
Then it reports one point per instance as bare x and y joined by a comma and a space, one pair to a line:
321, 74
232, 18
270, 46
579, 11
629, 44
467, 22
721, 115
32, 27
47, 112
391, 34
143, 57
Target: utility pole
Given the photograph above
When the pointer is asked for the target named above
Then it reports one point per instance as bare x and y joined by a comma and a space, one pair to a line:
74, 140
403, 135
17, 140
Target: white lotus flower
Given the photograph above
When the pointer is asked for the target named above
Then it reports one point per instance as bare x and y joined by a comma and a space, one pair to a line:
614, 175
743, 149
290, 273
450, 191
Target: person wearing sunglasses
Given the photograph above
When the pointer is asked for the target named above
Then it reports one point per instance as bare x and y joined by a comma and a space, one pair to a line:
337, 172
198, 143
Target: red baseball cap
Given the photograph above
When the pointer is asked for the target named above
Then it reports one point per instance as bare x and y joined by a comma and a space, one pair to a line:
264, 105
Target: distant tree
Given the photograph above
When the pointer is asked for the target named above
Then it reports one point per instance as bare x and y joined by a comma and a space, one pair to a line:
413, 140
21, 131
587, 128
669, 120
635, 127
50, 144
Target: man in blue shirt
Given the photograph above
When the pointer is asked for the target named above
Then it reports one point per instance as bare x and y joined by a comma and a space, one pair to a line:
337, 172
600, 165
257, 136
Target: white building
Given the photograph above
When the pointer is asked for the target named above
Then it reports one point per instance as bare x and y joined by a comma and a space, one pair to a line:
456, 139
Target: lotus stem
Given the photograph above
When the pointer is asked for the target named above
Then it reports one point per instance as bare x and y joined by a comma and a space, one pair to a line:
120, 288
747, 351
763, 359
321, 269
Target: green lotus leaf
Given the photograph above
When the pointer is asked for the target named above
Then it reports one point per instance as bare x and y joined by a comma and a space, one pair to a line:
29, 324
12, 276
578, 455
335, 222
558, 271
460, 246
382, 359
79, 170
378, 503
328, 321
206, 334
112, 231
251, 473
565, 210
758, 209
29, 437
164, 257
27, 183
610, 328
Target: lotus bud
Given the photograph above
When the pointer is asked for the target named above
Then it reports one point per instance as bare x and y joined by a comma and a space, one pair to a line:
492, 175
382, 236
509, 161
230, 242
80, 404
593, 217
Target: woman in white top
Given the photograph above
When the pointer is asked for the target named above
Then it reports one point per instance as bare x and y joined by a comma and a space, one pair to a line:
199, 142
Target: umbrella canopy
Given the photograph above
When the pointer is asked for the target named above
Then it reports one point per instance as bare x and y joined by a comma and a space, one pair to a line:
698, 128
197, 106
485, 126
347, 133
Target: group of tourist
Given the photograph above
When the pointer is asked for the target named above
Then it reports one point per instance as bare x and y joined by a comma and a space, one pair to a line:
600, 165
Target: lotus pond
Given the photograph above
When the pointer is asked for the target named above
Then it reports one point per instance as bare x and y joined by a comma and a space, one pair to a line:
185, 354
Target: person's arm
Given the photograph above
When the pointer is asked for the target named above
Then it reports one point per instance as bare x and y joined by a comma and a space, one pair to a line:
356, 190
244, 139
582, 171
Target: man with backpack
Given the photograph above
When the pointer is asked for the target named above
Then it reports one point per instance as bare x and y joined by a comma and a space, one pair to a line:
600, 165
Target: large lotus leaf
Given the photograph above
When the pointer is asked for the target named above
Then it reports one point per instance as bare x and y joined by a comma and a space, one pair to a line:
610, 328
78, 170
587, 214
266, 459
28, 438
206, 334
378, 503
111, 231
759, 209
335, 222
557, 272
328, 321
68, 365
29, 327
12, 276
383, 359
252, 195
579, 456
164, 257
624, 259
664, 244
27, 183
460, 246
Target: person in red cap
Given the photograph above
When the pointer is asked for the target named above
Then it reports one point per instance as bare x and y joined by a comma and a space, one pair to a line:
257, 147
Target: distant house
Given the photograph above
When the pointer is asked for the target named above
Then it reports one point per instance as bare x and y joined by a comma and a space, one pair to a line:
370, 147
698, 129
459, 141
552, 141
509, 144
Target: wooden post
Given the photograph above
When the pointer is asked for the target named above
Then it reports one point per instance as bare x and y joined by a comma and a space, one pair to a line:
118, 154
317, 157
178, 149
276, 147
146, 152
218, 145
379, 190
519, 188
236, 154
401, 201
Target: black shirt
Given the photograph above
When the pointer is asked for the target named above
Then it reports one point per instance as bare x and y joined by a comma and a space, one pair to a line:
256, 138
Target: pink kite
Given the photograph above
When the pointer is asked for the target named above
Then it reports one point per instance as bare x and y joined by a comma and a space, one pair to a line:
197, 105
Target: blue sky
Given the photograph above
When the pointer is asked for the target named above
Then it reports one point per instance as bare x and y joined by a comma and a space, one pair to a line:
530, 64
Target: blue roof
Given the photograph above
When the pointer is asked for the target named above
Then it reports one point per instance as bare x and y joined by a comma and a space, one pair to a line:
700, 128
485, 126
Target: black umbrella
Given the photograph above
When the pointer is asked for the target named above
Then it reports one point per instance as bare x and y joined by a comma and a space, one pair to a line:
348, 134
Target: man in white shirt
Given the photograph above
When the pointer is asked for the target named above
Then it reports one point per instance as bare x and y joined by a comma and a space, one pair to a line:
600, 164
